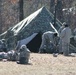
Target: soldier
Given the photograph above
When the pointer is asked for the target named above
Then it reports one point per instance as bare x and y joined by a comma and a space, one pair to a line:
24, 55
0, 45
65, 37
60, 41
18, 45
11, 55
4, 46
10, 38
61, 28
49, 39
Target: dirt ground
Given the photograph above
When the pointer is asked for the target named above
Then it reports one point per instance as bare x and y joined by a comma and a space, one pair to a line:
41, 64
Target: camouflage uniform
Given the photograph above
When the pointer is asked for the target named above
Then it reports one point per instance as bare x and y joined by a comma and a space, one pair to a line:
60, 41
65, 37
48, 42
11, 55
24, 55
0, 45
4, 45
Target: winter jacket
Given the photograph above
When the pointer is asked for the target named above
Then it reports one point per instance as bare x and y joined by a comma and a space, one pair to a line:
65, 35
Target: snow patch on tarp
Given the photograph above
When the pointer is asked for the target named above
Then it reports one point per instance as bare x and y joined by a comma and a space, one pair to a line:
3, 33
25, 22
53, 27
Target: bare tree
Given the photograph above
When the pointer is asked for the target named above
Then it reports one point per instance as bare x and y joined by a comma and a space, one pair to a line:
9, 13
59, 10
0, 17
21, 15
52, 4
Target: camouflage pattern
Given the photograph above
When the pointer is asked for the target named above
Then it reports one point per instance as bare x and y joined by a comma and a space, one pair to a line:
3, 55
4, 45
60, 41
24, 54
65, 37
49, 42
12, 55
0, 45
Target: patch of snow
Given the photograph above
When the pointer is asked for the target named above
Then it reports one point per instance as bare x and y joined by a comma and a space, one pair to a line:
53, 27
25, 22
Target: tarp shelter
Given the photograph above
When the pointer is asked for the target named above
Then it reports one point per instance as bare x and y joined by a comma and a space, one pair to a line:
32, 42
38, 22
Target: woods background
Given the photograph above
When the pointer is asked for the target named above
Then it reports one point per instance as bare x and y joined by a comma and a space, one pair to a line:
13, 11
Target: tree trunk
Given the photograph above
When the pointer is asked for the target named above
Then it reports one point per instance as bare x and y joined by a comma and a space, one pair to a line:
52, 4
0, 18
21, 10
59, 10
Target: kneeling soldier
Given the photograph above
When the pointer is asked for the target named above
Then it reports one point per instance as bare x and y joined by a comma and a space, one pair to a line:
24, 55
